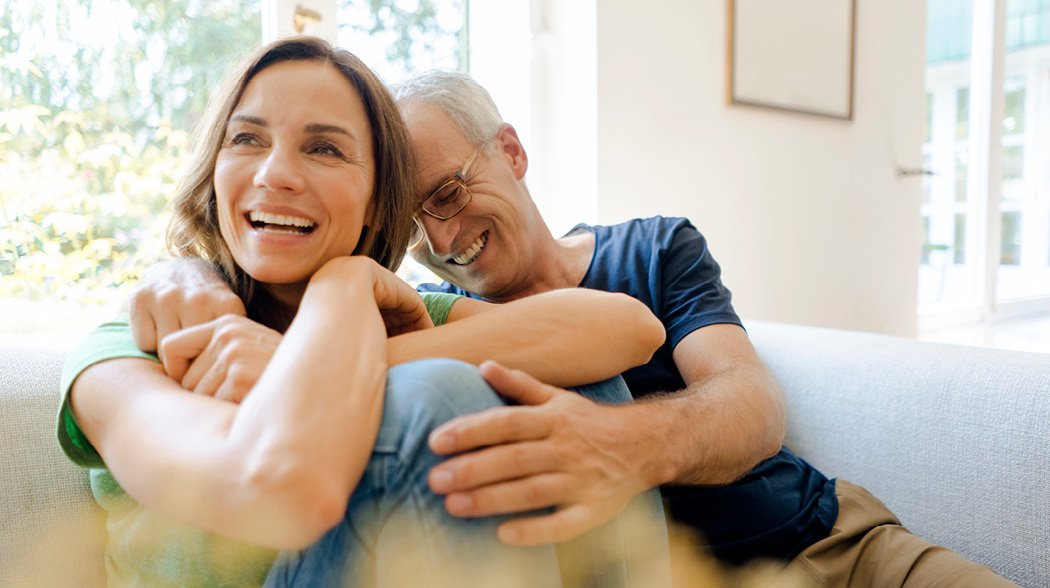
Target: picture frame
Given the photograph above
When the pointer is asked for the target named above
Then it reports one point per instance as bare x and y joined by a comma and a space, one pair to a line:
792, 55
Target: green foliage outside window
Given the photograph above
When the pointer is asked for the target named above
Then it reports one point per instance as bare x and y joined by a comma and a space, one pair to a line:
97, 101
93, 131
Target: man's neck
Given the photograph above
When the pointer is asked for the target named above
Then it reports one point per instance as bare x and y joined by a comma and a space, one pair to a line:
561, 263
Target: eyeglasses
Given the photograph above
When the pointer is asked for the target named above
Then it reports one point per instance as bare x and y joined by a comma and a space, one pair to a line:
447, 200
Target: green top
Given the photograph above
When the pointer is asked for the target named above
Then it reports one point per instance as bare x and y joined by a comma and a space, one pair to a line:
144, 548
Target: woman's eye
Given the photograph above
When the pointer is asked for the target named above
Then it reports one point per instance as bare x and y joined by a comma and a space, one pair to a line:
326, 149
244, 139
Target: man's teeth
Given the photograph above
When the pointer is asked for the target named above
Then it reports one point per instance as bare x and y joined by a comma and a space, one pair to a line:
279, 223
471, 254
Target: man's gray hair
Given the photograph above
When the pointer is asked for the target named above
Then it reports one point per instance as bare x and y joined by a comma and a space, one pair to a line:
469, 105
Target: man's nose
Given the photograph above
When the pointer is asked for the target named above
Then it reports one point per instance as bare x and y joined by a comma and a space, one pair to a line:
280, 171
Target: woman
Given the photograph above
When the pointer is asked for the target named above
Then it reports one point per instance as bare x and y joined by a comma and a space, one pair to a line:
304, 160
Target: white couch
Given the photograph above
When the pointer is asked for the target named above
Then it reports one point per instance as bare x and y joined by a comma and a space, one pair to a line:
955, 440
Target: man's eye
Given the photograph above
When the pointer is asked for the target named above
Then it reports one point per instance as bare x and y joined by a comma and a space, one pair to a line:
446, 194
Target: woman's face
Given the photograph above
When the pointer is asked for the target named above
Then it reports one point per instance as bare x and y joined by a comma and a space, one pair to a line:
295, 175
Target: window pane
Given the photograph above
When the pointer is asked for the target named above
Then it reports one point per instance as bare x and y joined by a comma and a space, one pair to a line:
962, 113
400, 37
962, 167
1011, 238
926, 245
1013, 111
1013, 162
959, 254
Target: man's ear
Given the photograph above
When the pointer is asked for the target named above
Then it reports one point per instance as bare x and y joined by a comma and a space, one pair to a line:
511, 148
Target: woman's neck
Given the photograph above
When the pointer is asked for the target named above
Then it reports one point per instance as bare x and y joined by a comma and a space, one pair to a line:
275, 305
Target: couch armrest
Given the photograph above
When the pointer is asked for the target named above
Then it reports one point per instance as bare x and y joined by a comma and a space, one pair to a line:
52, 529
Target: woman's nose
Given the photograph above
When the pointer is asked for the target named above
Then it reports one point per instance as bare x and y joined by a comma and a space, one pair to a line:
280, 171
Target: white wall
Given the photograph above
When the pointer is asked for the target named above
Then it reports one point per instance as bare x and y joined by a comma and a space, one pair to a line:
806, 215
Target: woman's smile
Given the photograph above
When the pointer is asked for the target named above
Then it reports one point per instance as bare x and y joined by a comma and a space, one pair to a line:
295, 177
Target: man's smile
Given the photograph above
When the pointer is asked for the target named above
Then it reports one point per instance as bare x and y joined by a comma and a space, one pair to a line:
467, 257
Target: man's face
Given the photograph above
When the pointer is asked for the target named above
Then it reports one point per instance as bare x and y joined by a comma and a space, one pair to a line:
484, 248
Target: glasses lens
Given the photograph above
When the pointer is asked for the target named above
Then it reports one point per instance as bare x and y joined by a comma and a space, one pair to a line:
447, 200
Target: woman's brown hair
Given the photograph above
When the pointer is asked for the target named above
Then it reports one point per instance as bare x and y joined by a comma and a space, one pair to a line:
194, 227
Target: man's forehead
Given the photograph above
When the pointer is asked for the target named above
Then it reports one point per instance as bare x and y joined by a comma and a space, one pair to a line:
440, 146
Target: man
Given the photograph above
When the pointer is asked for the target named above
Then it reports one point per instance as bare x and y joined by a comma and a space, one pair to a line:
708, 424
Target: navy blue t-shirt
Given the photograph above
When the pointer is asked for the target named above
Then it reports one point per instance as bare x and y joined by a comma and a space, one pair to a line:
784, 504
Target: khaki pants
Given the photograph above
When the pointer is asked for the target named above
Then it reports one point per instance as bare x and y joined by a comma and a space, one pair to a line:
868, 547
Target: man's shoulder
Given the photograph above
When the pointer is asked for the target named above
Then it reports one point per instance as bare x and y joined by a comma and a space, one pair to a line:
653, 232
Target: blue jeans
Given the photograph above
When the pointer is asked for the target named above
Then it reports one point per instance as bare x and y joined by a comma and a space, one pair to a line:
397, 533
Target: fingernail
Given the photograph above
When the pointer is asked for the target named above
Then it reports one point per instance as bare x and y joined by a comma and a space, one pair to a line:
440, 481
507, 534
459, 503
440, 442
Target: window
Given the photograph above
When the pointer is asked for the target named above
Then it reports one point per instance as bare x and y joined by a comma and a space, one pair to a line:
954, 208
96, 101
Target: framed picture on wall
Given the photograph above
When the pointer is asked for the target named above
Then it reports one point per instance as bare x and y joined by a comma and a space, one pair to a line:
792, 55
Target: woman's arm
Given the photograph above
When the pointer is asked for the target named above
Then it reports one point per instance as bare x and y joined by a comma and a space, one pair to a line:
276, 469
564, 337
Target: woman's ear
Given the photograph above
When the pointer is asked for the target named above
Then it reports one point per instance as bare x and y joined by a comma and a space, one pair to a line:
512, 149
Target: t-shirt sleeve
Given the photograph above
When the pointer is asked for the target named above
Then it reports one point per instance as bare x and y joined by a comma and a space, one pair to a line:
439, 304
111, 340
693, 293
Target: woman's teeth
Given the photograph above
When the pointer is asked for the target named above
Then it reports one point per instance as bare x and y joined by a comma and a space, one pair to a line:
473, 252
279, 223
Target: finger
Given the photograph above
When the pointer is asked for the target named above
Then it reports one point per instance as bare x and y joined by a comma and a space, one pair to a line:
238, 381
200, 366
489, 466
143, 330
516, 384
167, 323
516, 496
177, 349
212, 379
495, 426
563, 525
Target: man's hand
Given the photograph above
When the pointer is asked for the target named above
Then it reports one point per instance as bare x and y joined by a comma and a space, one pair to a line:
223, 358
558, 449
175, 295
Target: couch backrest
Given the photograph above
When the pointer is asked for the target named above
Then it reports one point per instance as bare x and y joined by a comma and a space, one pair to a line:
52, 529
954, 440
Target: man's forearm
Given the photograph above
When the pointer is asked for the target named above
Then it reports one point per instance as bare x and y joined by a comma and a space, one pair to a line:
714, 431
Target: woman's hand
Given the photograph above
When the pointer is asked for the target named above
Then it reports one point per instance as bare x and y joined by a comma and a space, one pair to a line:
401, 307
223, 358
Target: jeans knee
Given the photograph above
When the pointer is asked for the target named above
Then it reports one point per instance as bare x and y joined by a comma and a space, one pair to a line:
422, 395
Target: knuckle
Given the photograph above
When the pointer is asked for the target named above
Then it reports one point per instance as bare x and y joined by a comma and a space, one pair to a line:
231, 305
519, 459
537, 494
167, 297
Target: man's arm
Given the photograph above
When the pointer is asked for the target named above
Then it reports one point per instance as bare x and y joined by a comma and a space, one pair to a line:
736, 399
587, 460
566, 337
